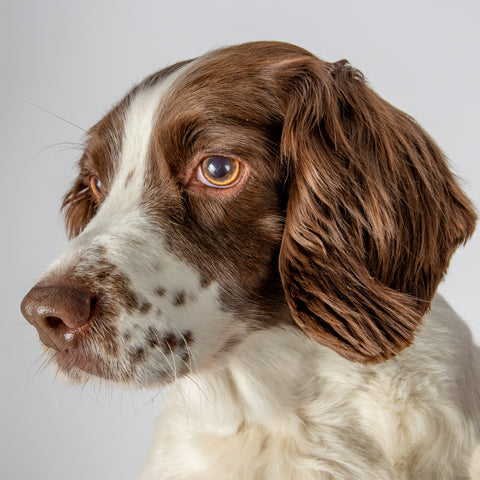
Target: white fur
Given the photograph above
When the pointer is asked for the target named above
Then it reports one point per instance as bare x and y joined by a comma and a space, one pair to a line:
285, 407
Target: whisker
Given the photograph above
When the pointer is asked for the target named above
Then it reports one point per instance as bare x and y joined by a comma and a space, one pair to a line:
197, 384
57, 116
40, 358
173, 368
43, 366
66, 146
174, 364
57, 371
189, 365
95, 387
16, 282
189, 351
152, 400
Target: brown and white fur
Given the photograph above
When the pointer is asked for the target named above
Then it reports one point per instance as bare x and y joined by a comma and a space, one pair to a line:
291, 314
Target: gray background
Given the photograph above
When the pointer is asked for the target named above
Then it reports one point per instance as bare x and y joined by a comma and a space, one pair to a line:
75, 58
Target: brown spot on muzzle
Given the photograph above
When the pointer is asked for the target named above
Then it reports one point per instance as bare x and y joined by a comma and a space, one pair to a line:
160, 291
179, 299
137, 355
145, 307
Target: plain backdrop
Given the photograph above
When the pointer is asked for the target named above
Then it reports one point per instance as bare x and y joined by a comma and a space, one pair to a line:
75, 59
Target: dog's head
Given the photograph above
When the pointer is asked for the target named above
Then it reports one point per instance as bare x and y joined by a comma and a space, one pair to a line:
251, 187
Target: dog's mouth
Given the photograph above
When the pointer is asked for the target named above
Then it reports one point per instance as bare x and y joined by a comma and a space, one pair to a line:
85, 359
72, 363
157, 360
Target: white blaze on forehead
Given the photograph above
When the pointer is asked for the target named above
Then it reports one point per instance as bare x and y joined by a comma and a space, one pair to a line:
121, 209
140, 118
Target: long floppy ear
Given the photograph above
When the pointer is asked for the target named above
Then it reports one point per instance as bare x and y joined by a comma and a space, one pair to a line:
373, 213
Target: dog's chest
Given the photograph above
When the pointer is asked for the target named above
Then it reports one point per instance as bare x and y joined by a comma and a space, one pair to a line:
250, 454
286, 408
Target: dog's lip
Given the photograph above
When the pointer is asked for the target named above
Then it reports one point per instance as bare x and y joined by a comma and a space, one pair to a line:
47, 341
81, 360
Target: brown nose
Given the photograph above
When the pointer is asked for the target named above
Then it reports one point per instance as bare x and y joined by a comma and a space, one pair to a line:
58, 312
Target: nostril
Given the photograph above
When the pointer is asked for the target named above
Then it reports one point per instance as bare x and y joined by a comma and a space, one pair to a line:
53, 322
93, 303
58, 332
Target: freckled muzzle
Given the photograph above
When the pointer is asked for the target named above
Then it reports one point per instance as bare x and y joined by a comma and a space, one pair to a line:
84, 335
97, 320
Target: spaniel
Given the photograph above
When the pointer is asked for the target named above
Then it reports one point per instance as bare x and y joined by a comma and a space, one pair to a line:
260, 233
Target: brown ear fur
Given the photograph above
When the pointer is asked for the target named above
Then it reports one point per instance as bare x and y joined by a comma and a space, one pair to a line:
78, 208
373, 215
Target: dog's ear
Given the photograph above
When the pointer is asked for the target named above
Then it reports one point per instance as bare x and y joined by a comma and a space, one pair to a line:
78, 208
373, 213
78, 205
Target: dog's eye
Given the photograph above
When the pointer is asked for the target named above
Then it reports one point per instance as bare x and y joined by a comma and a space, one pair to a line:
218, 171
96, 186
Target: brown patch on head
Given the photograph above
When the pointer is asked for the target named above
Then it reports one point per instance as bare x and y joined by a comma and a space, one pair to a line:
230, 345
170, 343
160, 291
108, 278
111, 346
100, 250
186, 362
222, 236
205, 281
371, 212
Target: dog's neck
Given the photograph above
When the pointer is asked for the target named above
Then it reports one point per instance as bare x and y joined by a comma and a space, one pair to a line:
265, 395
264, 382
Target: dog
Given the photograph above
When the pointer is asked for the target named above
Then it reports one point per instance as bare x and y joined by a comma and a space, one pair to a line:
260, 233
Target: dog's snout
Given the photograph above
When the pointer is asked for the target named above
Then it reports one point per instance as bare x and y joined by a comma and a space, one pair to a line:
59, 313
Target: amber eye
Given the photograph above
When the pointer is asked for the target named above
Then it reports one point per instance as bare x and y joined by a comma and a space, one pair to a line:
96, 186
218, 171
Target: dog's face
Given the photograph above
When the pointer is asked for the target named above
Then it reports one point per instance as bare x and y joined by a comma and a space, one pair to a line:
252, 187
